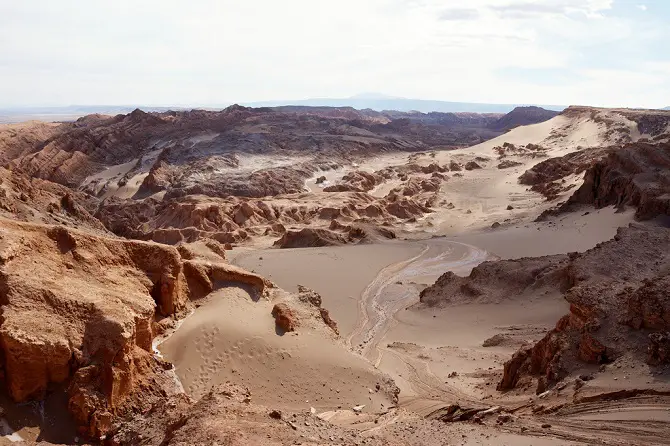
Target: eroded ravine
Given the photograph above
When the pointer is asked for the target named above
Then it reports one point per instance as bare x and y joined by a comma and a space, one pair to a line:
393, 289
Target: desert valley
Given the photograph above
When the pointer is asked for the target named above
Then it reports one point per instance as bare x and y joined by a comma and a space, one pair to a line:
334, 276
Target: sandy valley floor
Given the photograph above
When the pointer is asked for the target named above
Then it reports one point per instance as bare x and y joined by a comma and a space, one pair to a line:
436, 357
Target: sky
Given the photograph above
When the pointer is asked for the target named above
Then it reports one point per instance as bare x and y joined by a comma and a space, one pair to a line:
217, 52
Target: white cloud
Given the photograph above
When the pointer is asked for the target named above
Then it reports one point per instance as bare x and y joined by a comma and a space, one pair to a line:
524, 8
642, 7
216, 52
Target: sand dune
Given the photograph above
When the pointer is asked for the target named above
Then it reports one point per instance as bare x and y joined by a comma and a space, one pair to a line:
557, 235
233, 337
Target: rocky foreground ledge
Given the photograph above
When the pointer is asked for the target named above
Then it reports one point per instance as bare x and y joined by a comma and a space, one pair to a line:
81, 311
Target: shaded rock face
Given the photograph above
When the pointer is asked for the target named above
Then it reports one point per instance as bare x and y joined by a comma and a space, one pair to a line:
618, 284
506, 164
523, 116
79, 309
497, 280
337, 234
309, 237
636, 175
545, 177
85, 313
545, 360
649, 305
658, 351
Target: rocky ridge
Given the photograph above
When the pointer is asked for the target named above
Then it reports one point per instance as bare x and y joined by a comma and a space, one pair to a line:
523, 116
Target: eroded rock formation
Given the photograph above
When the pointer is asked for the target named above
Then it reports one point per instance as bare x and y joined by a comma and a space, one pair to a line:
79, 309
636, 175
618, 283
610, 288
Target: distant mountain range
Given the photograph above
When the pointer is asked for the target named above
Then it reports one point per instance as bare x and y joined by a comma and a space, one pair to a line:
381, 102
370, 101
373, 101
70, 112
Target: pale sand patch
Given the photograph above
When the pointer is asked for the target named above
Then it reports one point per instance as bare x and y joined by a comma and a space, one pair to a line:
430, 344
233, 338
480, 197
109, 178
332, 177
382, 190
340, 274
425, 346
649, 413
398, 286
110, 175
577, 231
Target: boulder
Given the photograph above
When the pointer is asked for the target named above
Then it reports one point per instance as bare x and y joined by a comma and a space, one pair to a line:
285, 317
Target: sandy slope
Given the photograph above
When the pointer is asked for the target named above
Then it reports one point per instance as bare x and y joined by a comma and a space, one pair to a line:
559, 235
231, 337
397, 270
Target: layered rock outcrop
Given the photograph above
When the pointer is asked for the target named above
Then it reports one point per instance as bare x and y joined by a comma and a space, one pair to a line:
548, 177
79, 310
308, 237
636, 175
234, 219
36, 200
494, 281
357, 181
